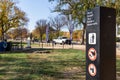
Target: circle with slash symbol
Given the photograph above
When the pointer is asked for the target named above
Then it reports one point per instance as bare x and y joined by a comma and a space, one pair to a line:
92, 70
92, 54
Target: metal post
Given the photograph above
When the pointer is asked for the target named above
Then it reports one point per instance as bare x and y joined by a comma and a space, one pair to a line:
101, 44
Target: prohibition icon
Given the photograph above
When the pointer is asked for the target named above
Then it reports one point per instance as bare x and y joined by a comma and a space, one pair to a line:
92, 54
92, 70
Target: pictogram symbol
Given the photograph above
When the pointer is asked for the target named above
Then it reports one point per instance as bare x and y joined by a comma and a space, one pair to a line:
92, 54
92, 38
92, 70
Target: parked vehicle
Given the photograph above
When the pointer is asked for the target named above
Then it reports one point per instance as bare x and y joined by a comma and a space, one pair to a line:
62, 40
68, 42
35, 40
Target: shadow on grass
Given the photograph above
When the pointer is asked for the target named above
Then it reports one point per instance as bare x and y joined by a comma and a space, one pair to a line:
13, 68
25, 50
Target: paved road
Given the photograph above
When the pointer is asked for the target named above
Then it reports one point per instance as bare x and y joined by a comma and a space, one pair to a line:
81, 47
118, 51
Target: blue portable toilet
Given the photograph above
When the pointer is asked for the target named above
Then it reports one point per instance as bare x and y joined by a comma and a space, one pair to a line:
3, 46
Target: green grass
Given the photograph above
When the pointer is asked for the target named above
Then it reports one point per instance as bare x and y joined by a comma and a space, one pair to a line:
59, 64
118, 66
67, 64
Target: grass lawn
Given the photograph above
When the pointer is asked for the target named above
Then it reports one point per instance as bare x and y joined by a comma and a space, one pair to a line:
57, 65
67, 64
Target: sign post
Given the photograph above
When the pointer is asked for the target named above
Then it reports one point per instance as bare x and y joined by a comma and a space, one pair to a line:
101, 44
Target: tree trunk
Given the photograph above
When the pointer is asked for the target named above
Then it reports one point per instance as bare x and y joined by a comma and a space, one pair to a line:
83, 34
2, 33
41, 39
58, 33
71, 36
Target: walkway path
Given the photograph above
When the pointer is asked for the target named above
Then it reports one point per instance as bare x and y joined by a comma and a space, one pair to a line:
81, 47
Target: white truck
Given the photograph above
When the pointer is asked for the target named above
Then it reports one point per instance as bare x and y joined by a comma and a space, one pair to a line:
60, 40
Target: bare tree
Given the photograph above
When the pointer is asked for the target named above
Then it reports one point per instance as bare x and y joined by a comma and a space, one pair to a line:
57, 23
71, 24
41, 26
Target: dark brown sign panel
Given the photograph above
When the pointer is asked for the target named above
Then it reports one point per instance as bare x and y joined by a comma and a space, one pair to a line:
100, 44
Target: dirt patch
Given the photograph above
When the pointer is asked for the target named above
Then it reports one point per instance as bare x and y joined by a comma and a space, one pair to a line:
118, 56
71, 71
41, 52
